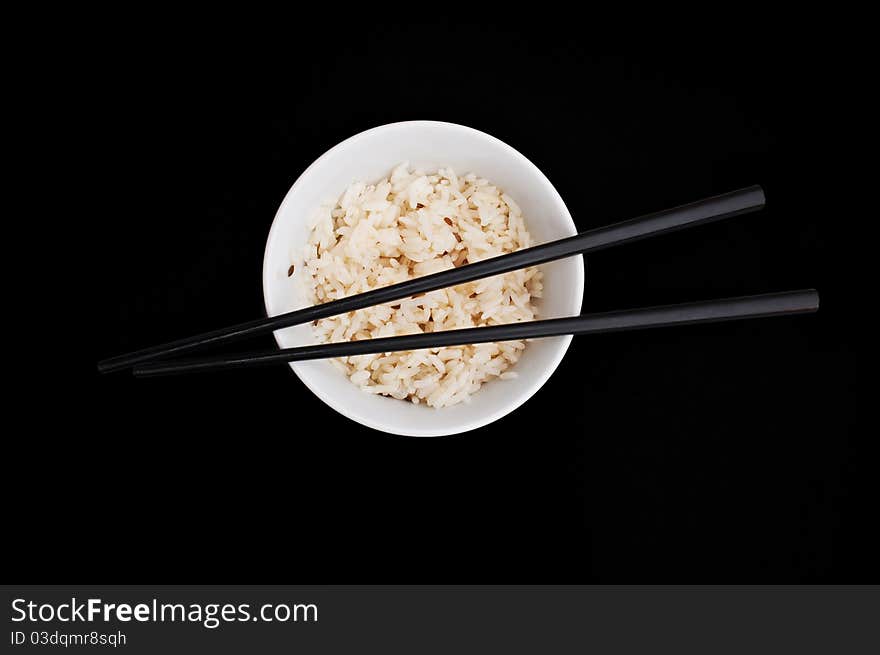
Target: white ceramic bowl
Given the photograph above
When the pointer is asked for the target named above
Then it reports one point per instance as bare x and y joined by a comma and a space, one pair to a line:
427, 145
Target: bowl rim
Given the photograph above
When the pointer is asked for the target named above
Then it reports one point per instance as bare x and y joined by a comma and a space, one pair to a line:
536, 383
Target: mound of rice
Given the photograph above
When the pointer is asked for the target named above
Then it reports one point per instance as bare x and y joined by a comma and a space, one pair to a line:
406, 226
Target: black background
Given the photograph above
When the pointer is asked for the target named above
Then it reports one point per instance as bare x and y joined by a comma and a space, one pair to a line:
725, 453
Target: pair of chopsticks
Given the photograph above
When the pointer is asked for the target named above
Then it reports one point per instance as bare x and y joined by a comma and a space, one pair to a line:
704, 211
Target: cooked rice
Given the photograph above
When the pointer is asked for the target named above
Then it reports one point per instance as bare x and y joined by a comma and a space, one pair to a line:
406, 226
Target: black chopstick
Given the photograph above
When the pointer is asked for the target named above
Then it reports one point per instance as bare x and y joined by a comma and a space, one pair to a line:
728, 309
703, 211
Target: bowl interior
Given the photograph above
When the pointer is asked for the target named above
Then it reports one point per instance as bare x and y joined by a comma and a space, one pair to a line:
427, 145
